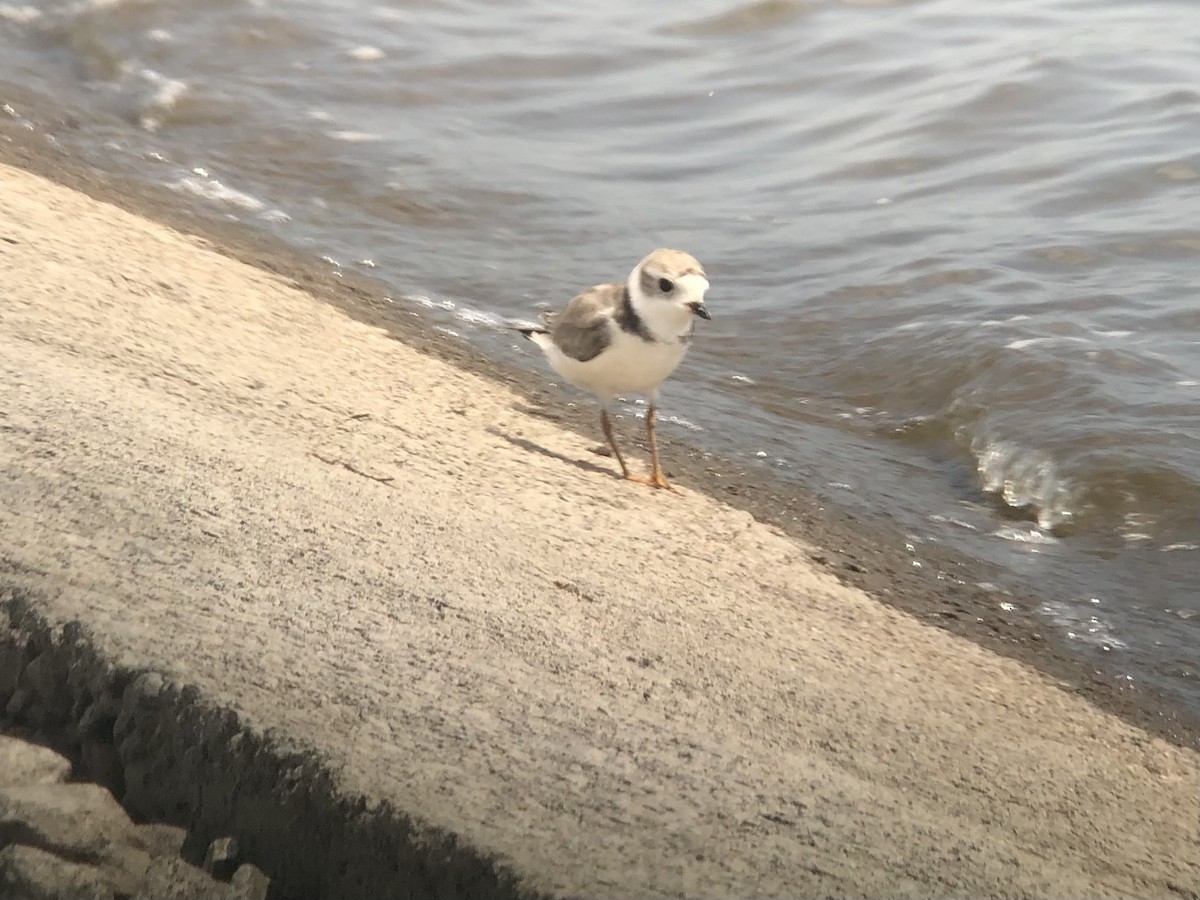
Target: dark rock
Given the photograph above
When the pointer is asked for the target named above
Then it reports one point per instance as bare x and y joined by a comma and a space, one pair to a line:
98, 719
160, 839
43, 675
170, 878
82, 821
249, 883
17, 703
221, 860
102, 763
11, 663
27, 873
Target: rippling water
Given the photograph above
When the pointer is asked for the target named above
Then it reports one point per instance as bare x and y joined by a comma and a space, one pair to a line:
953, 245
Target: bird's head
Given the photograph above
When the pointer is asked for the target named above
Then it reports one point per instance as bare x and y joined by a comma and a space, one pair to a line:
667, 289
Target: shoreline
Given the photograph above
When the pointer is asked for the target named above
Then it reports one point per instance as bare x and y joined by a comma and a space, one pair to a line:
400, 586
867, 555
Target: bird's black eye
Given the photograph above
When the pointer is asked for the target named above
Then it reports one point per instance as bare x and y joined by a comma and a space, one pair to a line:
666, 285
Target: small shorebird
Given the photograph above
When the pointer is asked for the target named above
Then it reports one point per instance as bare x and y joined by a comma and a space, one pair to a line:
622, 338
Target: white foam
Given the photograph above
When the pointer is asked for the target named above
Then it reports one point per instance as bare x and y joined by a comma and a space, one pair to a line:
1024, 535
353, 137
683, 423
1024, 479
20, 15
166, 93
741, 379
1082, 624
1025, 343
478, 317
366, 53
167, 90
211, 189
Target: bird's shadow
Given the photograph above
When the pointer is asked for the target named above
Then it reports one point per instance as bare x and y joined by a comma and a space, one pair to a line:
529, 445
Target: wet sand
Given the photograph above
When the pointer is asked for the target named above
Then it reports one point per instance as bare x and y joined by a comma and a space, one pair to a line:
449, 603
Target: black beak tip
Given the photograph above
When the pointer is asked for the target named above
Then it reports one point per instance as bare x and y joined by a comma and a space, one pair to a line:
701, 310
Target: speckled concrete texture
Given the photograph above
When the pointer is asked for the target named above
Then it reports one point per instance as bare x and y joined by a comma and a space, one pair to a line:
320, 565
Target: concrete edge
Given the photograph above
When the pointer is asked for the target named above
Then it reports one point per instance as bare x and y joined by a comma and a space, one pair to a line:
169, 755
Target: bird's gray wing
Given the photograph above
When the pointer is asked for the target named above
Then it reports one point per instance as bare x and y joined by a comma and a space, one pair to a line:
584, 328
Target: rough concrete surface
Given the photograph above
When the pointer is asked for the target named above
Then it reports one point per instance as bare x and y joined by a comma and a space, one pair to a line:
322, 569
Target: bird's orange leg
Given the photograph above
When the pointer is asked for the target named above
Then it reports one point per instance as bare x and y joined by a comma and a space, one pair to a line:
657, 478
612, 442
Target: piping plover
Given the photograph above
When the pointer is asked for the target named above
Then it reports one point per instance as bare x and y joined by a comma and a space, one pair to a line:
623, 338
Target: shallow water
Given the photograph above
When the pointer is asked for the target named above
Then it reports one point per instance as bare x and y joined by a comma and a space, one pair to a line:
952, 245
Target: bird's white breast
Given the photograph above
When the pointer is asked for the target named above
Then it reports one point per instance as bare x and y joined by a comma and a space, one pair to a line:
628, 365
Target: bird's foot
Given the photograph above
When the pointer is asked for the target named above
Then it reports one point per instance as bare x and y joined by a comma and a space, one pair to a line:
656, 480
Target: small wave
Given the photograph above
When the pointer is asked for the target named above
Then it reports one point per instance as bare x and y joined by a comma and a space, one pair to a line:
353, 137
478, 317
682, 423
1025, 479
1026, 343
211, 189
164, 95
745, 18
19, 15
939, 519
1083, 624
1024, 535
517, 324
366, 53
275, 216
